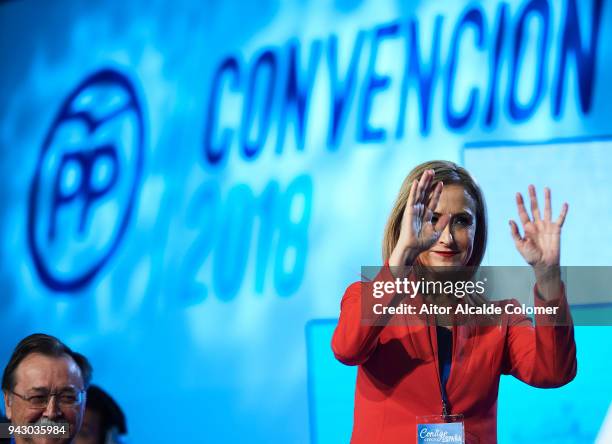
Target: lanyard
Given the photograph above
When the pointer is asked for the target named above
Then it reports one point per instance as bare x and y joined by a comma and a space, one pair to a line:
440, 370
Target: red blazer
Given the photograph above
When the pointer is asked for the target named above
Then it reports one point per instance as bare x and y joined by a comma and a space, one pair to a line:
398, 377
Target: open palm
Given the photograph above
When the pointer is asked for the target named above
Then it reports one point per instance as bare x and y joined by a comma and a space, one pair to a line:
540, 244
418, 230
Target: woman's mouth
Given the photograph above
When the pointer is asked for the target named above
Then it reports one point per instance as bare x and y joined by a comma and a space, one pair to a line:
446, 253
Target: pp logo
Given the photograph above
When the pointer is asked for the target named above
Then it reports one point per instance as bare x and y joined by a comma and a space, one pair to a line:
86, 181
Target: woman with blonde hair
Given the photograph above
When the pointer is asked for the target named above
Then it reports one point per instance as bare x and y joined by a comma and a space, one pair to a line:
413, 375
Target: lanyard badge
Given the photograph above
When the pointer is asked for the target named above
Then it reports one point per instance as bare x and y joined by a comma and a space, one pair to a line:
436, 429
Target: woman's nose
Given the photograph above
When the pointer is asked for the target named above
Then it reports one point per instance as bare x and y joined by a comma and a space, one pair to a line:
447, 235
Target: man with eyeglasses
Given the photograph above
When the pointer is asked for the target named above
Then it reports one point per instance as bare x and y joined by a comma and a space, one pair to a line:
44, 386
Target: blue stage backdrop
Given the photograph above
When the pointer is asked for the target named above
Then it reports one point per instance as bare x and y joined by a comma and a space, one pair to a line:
188, 187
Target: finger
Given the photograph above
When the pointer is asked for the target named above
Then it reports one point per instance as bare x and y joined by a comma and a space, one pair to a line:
435, 196
442, 223
514, 231
561, 217
412, 193
520, 205
427, 187
547, 208
535, 210
430, 186
424, 185
420, 186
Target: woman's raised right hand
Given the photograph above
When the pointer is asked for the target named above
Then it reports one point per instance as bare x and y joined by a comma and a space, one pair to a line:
418, 230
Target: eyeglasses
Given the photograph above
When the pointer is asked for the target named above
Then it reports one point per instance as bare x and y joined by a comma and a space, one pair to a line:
65, 399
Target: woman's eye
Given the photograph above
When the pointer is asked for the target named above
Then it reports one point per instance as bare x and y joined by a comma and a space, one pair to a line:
434, 219
464, 221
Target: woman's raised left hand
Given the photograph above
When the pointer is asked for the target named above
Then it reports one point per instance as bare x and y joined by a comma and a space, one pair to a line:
541, 242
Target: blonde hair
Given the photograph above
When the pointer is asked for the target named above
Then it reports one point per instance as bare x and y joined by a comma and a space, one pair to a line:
448, 173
